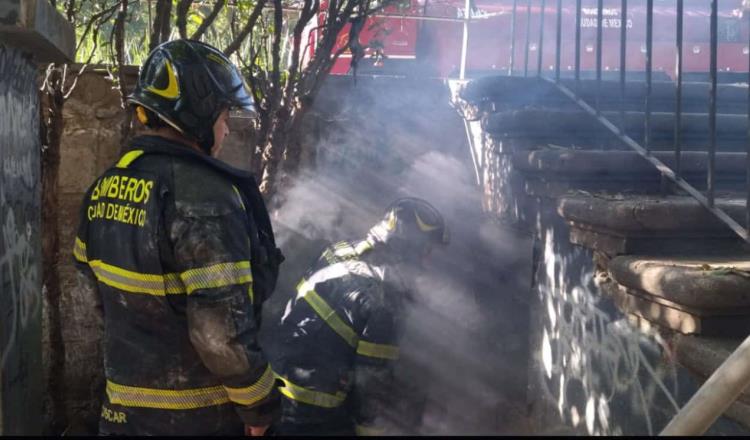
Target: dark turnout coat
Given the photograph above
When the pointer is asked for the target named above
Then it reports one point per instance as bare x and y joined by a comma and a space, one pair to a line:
181, 251
337, 342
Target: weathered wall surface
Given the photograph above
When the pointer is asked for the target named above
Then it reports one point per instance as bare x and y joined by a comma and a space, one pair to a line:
92, 118
594, 370
20, 247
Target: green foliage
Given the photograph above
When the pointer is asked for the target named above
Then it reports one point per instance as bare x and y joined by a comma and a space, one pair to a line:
94, 23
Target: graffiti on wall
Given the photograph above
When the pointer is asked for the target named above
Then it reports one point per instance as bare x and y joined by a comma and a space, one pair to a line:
20, 271
603, 375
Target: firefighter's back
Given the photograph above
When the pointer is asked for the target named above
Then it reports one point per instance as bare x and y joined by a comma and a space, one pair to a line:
318, 337
156, 381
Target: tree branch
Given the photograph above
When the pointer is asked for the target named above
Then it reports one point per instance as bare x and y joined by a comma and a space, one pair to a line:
275, 53
120, 48
160, 29
94, 18
182, 10
209, 20
70, 11
249, 26
309, 10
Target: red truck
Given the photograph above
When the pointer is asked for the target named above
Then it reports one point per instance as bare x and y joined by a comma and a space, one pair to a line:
424, 37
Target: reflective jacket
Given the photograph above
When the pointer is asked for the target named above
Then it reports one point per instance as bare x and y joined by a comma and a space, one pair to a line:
170, 239
337, 342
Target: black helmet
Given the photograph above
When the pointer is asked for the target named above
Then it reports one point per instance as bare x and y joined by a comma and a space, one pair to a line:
187, 84
410, 227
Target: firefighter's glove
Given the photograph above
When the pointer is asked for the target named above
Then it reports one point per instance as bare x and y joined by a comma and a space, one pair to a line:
263, 414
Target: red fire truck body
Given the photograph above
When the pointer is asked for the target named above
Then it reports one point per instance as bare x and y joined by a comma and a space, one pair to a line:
414, 42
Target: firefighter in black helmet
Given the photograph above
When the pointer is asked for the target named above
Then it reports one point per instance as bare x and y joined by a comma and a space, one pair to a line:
180, 254
338, 338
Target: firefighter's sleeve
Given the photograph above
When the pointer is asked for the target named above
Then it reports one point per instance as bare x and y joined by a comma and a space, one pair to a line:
211, 248
377, 350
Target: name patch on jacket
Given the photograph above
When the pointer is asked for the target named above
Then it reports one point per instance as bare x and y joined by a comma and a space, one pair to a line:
120, 198
113, 416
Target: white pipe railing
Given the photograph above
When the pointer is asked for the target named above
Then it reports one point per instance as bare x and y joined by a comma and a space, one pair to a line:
715, 396
465, 44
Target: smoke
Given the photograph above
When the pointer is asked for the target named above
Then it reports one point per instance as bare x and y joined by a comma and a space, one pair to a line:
462, 352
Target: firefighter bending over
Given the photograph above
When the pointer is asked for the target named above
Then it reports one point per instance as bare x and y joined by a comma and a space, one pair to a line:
338, 338
181, 255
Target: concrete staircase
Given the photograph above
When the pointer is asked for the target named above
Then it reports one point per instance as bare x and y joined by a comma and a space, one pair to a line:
664, 261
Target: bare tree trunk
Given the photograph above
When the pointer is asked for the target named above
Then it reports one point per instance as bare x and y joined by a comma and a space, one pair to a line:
182, 10
272, 155
261, 139
120, 58
293, 149
161, 27
209, 20
51, 132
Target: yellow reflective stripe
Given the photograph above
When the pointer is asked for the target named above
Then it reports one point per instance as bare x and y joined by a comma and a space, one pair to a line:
304, 395
255, 392
128, 158
136, 282
362, 247
165, 399
364, 431
329, 256
236, 191
330, 317
218, 275
377, 350
79, 250
346, 251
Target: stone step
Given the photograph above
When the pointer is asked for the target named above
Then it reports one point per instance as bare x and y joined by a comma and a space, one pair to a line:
706, 282
617, 224
552, 171
690, 294
701, 356
575, 127
675, 317
494, 93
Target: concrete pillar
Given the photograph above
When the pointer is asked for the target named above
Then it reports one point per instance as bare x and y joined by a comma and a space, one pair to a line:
31, 32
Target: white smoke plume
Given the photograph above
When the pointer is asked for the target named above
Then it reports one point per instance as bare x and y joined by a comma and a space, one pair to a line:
461, 345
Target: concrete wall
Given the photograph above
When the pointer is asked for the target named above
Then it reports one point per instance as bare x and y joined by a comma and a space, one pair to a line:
20, 246
92, 118
591, 369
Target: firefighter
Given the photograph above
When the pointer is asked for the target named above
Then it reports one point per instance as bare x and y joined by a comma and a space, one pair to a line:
338, 338
180, 253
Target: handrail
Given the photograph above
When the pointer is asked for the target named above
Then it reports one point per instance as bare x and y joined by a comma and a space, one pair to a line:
707, 200
715, 396
659, 165
645, 147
